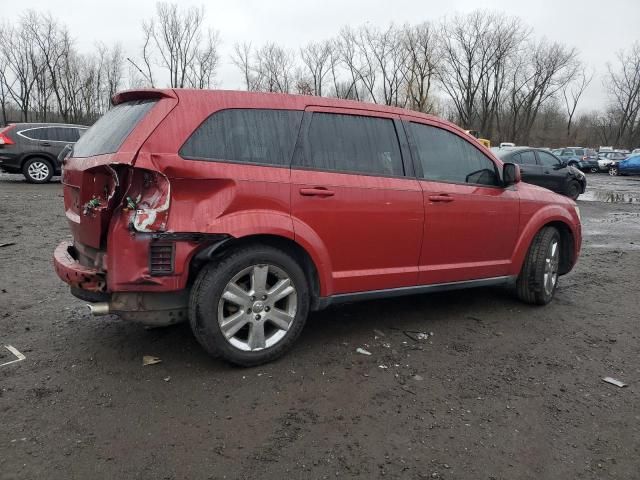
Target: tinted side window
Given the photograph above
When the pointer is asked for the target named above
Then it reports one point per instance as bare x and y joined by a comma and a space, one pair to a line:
63, 134
353, 143
245, 135
35, 133
547, 159
445, 156
528, 158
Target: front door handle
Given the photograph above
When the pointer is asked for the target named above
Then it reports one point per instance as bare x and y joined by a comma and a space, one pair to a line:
316, 192
45, 144
440, 198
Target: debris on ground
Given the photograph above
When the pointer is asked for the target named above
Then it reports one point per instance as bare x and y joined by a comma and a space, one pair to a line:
378, 333
167, 379
19, 356
8, 244
363, 351
418, 378
417, 336
150, 360
615, 382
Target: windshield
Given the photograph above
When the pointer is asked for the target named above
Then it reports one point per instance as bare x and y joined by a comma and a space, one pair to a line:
112, 129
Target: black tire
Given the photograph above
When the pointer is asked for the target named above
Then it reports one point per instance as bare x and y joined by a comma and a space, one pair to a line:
209, 287
613, 171
530, 283
594, 169
573, 190
37, 170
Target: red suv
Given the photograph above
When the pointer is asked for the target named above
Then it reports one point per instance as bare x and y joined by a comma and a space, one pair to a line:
244, 211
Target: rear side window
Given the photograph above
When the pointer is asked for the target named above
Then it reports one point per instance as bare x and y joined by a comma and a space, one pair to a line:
109, 133
447, 157
63, 134
246, 136
353, 144
579, 152
526, 158
35, 133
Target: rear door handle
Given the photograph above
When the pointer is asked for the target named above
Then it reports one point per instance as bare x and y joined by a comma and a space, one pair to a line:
45, 144
316, 192
440, 198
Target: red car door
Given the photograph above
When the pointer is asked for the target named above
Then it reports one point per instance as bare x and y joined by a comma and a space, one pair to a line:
351, 201
471, 220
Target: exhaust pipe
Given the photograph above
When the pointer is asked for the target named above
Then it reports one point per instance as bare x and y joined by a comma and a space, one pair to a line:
98, 309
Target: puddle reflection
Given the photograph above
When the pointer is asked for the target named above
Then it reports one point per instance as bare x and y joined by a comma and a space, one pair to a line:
610, 197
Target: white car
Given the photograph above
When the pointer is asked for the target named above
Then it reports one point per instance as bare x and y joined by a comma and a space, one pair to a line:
606, 159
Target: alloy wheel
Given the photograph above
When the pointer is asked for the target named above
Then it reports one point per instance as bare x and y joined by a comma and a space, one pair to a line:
38, 171
257, 307
551, 263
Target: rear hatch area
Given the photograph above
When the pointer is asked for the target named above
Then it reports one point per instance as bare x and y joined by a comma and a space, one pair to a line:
99, 175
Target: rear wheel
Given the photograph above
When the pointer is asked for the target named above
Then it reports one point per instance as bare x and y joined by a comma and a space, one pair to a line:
538, 278
613, 170
37, 170
573, 190
250, 307
594, 169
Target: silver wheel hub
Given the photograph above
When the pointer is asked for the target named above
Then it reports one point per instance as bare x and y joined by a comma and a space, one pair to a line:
257, 307
38, 170
551, 263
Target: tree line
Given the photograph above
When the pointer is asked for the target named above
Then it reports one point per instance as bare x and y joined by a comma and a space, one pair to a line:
483, 70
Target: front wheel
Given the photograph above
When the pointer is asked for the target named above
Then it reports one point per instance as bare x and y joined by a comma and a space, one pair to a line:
594, 169
249, 307
573, 190
37, 170
613, 171
538, 278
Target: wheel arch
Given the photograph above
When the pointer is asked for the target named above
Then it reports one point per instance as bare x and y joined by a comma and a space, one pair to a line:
287, 245
568, 236
45, 156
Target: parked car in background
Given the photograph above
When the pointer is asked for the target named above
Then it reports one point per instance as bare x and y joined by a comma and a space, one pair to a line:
542, 168
244, 211
629, 166
507, 144
635, 151
585, 159
33, 148
606, 159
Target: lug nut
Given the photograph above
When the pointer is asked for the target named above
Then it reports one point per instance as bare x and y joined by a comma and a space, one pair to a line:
253, 298
266, 309
264, 297
257, 317
248, 310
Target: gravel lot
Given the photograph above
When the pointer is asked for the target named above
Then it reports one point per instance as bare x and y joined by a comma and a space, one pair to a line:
500, 390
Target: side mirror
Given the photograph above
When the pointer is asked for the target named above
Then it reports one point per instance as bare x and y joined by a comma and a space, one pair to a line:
511, 174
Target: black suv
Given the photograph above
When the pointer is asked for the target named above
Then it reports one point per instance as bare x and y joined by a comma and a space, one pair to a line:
544, 169
33, 148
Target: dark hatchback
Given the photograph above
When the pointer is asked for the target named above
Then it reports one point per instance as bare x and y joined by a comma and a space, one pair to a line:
544, 169
33, 148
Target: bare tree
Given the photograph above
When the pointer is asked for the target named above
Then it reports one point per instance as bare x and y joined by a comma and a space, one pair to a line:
242, 58
175, 37
318, 59
423, 61
623, 84
572, 93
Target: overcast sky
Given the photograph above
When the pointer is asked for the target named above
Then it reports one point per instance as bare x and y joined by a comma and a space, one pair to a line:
597, 28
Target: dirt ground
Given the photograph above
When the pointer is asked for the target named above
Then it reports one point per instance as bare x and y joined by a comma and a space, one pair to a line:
498, 390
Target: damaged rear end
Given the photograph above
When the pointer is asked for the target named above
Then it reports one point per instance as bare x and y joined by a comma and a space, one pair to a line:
112, 205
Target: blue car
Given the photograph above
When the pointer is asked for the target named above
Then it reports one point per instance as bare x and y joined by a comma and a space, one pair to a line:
630, 166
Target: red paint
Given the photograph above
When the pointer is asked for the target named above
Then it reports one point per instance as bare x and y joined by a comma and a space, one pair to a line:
361, 232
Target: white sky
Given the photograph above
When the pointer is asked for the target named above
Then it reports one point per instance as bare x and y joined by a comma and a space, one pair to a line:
597, 28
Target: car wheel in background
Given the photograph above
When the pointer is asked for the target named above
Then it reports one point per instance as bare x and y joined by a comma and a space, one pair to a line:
594, 169
574, 165
613, 171
538, 278
249, 307
573, 190
37, 170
